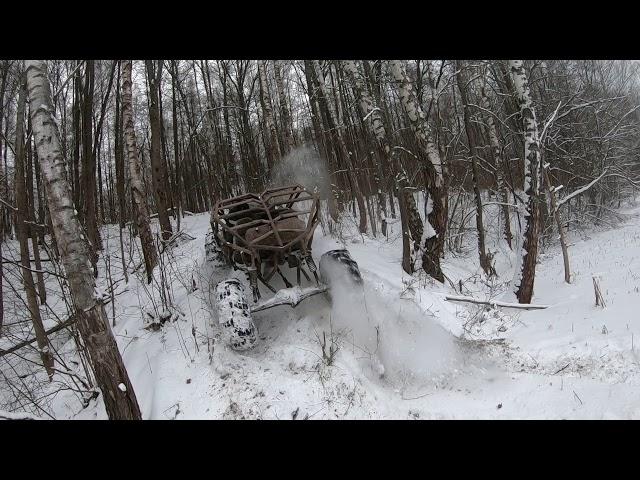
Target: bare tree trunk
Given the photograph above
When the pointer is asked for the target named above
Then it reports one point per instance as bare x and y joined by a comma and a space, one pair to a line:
89, 167
158, 168
32, 157
176, 145
285, 115
340, 145
141, 210
1, 272
273, 148
3, 85
434, 234
109, 370
527, 245
556, 215
411, 223
75, 160
500, 166
485, 261
22, 231
314, 106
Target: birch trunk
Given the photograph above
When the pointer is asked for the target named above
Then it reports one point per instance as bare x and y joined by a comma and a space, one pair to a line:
141, 211
434, 234
527, 244
411, 223
369, 111
22, 231
93, 324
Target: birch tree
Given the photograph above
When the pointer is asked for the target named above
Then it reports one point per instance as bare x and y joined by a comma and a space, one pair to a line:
411, 223
91, 318
527, 240
141, 211
434, 232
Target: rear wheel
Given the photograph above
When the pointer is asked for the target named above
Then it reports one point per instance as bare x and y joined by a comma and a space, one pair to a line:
337, 266
234, 315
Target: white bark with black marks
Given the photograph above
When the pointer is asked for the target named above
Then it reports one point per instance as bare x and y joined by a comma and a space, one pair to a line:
434, 231
527, 240
141, 210
93, 323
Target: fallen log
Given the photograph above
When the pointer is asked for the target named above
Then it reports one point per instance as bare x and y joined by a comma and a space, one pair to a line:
495, 303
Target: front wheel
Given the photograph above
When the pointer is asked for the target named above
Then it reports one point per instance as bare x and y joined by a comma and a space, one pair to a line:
234, 315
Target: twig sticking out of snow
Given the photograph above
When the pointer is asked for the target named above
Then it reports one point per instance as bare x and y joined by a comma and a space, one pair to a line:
598, 293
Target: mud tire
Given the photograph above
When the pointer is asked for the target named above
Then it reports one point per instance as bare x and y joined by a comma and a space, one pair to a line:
348, 267
234, 315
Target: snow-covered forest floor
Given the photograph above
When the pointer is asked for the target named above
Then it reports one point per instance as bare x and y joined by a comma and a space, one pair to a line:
403, 351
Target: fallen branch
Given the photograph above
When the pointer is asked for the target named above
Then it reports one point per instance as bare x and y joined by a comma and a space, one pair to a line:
4, 415
495, 303
558, 371
18, 346
172, 240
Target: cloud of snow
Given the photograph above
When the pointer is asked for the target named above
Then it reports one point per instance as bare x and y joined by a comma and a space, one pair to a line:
302, 165
397, 340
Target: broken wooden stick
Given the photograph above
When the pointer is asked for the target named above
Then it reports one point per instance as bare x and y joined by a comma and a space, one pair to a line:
495, 303
598, 293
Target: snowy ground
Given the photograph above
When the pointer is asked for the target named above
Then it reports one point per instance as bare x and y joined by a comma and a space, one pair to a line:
403, 351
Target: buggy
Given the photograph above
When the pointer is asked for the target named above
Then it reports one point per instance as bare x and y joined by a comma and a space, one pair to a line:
258, 234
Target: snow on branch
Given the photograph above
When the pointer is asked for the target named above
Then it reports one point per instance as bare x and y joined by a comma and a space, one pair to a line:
578, 191
549, 122
375, 109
